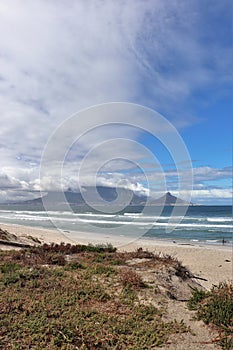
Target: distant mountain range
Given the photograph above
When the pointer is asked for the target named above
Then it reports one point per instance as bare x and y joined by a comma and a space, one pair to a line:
108, 194
169, 200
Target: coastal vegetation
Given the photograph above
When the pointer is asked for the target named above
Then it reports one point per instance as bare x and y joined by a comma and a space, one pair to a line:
63, 296
215, 308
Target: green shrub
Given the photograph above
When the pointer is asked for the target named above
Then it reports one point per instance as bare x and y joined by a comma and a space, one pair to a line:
197, 296
9, 267
216, 308
75, 265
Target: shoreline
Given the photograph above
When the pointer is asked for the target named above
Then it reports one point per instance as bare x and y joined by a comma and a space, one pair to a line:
58, 236
213, 262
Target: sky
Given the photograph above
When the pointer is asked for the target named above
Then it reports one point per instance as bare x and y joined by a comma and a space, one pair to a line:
61, 57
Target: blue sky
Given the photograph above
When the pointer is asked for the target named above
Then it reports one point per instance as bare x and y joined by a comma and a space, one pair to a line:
57, 58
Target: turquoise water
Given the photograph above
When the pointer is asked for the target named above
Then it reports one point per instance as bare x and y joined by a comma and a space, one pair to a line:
209, 224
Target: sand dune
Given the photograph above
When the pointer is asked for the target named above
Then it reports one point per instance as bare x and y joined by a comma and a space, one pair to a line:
214, 263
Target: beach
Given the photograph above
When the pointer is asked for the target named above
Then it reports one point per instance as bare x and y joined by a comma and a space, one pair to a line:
214, 263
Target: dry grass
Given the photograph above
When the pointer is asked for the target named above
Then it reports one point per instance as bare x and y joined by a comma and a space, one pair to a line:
130, 279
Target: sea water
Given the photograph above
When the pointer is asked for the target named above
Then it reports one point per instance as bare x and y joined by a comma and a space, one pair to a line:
206, 224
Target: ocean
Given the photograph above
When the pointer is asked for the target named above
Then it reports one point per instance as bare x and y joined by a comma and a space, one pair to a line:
204, 224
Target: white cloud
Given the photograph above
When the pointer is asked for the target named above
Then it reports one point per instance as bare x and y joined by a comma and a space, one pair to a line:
207, 173
212, 196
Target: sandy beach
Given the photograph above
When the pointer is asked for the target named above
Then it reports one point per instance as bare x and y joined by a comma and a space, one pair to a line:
213, 263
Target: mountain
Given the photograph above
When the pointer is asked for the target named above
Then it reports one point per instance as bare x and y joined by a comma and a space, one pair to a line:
108, 194
169, 200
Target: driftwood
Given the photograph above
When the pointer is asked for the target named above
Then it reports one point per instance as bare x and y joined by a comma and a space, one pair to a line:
199, 278
15, 244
